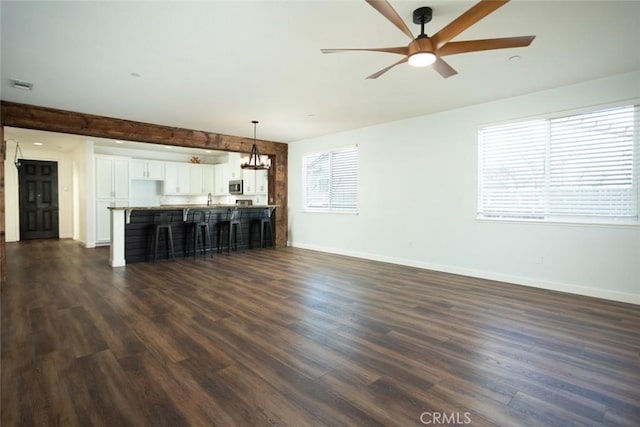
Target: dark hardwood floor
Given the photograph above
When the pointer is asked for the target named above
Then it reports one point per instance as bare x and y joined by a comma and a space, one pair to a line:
293, 337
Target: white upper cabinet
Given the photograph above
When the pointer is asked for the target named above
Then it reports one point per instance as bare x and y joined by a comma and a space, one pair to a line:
104, 178
155, 170
189, 178
138, 169
201, 178
177, 178
147, 169
208, 179
181, 178
262, 181
248, 182
221, 179
195, 179
233, 165
255, 181
112, 177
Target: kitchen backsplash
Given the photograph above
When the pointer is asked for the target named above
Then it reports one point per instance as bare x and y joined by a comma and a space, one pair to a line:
149, 193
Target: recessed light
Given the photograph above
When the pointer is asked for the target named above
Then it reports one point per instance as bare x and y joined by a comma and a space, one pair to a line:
515, 58
119, 142
38, 143
134, 75
168, 147
21, 84
207, 151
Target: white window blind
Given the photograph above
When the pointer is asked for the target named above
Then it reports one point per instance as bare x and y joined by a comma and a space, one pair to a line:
581, 168
331, 180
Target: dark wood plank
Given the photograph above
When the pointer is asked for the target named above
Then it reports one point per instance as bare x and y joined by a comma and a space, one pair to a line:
295, 337
3, 240
55, 120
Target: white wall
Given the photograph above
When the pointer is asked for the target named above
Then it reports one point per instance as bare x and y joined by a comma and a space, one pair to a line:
82, 156
65, 190
417, 203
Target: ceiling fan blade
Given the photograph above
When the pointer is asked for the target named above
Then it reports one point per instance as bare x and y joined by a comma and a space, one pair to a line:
388, 12
453, 48
444, 69
464, 21
384, 70
399, 50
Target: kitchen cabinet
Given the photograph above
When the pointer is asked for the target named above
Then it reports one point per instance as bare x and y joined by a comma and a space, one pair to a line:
208, 179
112, 189
201, 178
221, 179
225, 172
195, 179
248, 182
147, 169
233, 166
177, 178
112, 177
255, 181
103, 218
189, 178
262, 181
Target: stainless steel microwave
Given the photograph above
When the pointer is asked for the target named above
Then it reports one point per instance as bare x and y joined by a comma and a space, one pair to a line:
235, 187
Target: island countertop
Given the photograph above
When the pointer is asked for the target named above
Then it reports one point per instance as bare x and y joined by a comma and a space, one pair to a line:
185, 208
198, 206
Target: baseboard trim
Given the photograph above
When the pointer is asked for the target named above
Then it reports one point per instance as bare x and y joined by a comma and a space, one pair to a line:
481, 274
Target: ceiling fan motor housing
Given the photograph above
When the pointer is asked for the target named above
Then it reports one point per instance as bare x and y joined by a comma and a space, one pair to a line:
422, 15
421, 45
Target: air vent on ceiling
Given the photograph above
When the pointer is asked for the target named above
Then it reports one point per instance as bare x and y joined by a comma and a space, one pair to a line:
21, 84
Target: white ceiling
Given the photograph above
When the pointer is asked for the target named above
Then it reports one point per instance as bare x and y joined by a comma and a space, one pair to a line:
42, 141
217, 65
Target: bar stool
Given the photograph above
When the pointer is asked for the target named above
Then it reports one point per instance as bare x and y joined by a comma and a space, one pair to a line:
230, 227
197, 230
162, 221
263, 222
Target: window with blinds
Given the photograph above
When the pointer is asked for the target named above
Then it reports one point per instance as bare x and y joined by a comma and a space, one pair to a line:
331, 180
579, 168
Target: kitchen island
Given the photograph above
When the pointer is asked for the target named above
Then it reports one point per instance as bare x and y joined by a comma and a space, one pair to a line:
131, 228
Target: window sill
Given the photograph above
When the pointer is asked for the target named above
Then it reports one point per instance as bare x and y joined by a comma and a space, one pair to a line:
617, 224
329, 211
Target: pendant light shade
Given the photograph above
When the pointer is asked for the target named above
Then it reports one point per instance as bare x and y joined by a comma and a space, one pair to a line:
255, 161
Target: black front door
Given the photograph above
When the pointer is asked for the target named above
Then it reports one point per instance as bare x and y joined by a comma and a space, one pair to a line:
38, 190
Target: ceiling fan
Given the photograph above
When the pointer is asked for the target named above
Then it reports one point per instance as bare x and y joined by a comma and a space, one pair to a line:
424, 50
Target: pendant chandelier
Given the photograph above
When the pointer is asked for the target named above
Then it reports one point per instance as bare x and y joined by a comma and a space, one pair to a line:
255, 161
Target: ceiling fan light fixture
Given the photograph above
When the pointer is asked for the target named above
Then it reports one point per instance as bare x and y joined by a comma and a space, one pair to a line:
422, 59
424, 50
